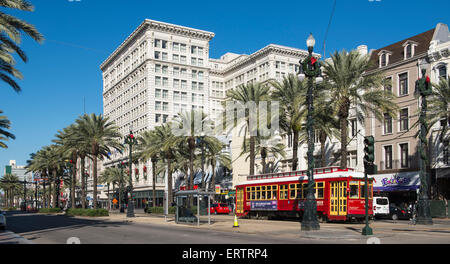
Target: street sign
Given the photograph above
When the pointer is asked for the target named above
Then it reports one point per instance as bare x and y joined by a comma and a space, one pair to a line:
217, 189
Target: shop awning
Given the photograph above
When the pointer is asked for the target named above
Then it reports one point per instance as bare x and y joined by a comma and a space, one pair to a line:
402, 181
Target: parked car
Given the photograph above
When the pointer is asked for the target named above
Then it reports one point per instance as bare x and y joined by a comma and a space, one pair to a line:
380, 207
397, 212
219, 208
2, 221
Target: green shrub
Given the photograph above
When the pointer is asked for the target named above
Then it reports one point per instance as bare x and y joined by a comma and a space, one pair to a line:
87, 212
50, 210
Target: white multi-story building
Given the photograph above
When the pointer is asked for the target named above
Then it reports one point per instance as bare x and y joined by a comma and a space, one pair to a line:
161, 69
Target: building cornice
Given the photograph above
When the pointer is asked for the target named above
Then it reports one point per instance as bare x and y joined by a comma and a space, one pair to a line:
271, 48
159, 26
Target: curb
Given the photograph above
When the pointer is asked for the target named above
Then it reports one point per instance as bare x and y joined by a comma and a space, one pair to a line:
9, 237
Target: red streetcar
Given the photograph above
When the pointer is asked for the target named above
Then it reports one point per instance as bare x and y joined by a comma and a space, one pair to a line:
340, 194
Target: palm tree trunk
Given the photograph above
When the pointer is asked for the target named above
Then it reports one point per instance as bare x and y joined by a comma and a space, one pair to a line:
154, 181
55, 190
344, 132
44, 198
74, 178
295, 151
94, 173
83, 183
213, 179
263, 160
343, 115
323, 139
49, 193
169, 182
252, 155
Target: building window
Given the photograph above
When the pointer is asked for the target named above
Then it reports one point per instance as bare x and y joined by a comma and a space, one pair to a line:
404, 155
404, 124
408, 51
388, 86
387, 124
403, 84
383, 59
388, 157
354, 125
442, 72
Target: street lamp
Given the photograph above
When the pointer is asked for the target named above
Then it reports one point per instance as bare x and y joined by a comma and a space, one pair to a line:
310, 68
130, 140
423, 86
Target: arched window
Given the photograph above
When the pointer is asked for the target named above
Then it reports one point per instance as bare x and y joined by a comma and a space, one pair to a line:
409, 51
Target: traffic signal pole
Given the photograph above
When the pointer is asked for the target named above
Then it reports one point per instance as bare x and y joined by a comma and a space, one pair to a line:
369, 167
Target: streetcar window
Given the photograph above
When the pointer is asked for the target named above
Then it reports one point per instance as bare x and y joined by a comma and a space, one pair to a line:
362, 190
319, 190
370, 190
274, 191
269, 194
263, 192
258, 193
354, 189
248, 193
283, 192
252, 196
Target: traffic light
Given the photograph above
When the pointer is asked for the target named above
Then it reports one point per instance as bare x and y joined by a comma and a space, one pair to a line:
369, 149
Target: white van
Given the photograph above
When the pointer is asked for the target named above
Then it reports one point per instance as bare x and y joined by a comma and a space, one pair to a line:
380, 206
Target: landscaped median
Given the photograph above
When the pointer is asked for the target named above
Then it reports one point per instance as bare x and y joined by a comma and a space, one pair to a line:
87, 212
50, 210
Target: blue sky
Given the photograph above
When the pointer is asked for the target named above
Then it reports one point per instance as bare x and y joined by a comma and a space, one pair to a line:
64, 70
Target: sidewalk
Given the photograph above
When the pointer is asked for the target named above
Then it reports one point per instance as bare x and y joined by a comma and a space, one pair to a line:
389, 232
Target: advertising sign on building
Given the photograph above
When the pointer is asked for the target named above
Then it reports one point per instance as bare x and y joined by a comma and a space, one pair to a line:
403, 181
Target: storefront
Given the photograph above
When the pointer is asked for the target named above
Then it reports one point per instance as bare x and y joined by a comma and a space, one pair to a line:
141, 198
401, 188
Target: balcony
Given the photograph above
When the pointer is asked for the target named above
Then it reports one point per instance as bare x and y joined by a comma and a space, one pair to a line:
413, 163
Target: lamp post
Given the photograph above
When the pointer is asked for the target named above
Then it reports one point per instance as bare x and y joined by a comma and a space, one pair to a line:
423, 86
310, 67
130, 140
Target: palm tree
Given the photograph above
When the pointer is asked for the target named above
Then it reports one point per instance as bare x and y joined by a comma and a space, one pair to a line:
267, 147
216, 157
4, 135
438, 107
165, 149
101, 135
146, 151
10, 37
10, 184
350, 85
72, 148
250, 93
291, 94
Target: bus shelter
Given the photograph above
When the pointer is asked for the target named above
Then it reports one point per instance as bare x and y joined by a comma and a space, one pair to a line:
202, 200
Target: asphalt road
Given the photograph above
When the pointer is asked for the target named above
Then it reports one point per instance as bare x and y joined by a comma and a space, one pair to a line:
57, 229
